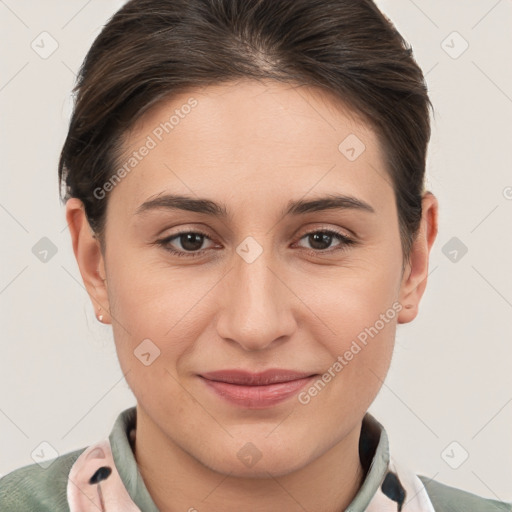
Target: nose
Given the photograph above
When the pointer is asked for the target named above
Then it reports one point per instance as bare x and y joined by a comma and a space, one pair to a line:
257, 305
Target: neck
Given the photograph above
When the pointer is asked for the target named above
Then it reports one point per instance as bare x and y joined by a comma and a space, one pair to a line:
177, 481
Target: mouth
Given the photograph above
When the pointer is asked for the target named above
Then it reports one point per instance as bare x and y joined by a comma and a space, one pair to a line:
256, 390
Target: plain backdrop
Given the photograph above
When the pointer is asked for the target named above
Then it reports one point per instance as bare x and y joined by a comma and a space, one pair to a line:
447, 401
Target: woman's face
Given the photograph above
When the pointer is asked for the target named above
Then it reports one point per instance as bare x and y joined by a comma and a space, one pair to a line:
260, 287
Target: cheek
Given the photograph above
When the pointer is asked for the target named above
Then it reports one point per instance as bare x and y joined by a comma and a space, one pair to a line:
149, 297
361, 310
354, 299
158, 312
150, 333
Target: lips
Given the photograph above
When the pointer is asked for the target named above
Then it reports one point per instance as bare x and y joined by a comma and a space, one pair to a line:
256, 390
245, 378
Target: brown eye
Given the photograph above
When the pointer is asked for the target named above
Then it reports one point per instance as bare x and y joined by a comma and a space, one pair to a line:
320, 240
189, 243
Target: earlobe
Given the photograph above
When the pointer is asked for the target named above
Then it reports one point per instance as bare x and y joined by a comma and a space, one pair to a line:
89, 257
415, 276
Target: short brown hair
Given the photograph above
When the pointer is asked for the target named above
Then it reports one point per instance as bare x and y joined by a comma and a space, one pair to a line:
151, 49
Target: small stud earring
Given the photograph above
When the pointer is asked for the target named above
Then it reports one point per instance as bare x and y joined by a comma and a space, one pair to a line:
100, 318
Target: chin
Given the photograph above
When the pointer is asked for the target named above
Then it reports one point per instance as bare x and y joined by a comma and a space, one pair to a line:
252, 462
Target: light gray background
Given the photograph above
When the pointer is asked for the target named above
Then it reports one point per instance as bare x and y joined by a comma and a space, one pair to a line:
451, 377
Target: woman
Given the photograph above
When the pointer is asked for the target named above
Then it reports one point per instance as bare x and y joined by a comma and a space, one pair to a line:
244, 186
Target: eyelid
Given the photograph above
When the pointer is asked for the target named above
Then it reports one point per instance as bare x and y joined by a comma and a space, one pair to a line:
345, 241
347, 233
196, 231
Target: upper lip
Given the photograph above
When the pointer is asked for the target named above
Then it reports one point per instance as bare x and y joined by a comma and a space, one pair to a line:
246, 378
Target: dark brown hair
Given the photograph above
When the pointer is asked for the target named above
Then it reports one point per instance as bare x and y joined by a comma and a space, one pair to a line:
151, 49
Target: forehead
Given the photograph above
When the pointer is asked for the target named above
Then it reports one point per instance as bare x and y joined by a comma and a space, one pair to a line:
250, 141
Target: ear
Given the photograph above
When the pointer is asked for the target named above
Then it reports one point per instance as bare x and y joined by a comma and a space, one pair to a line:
89, 257
415, 275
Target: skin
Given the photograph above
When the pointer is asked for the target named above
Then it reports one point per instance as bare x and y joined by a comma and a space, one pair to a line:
253, 146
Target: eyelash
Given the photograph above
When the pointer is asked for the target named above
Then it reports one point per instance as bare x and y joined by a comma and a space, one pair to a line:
345, 243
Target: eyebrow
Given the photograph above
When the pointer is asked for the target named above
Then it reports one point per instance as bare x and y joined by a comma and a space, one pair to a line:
294, 207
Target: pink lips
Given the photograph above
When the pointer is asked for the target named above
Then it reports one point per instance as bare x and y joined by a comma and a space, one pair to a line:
256, 390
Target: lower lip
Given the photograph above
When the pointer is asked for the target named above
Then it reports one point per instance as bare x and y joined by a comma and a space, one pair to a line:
257, 397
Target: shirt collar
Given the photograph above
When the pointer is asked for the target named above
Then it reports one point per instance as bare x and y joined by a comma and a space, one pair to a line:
109, 466
121, 439
373, 452
374, 456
